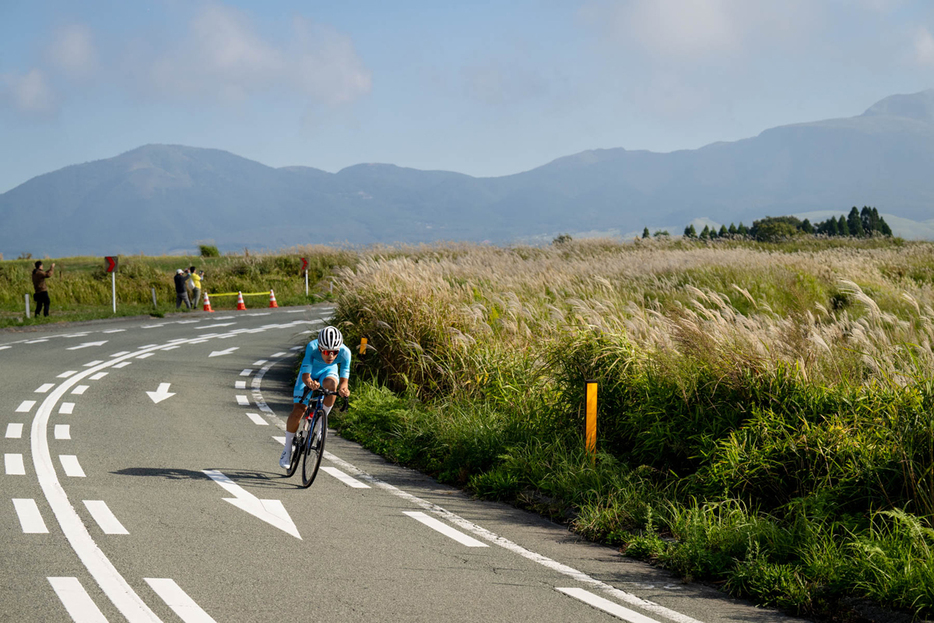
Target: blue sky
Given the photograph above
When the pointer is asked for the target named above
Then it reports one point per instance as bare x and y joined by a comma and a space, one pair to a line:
483, 88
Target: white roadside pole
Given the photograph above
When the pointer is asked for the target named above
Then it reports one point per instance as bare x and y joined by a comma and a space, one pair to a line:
111, 261
113, 283
305, 270
27, 307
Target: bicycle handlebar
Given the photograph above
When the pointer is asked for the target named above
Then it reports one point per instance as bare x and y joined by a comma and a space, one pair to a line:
322, 391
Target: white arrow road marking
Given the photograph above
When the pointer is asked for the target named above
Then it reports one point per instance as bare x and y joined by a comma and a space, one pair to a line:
606, 605
13, 464
87, 345
14, 430
444, 529
25, 406
179, 601
221, 353
270, 511
351, 482
76, 600
105, 517
30, 519
161, 394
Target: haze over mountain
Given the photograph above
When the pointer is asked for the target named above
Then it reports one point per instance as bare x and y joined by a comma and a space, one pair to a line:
165, 198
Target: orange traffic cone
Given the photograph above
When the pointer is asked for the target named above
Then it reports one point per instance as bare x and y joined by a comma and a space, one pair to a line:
207, 303
240, 303
272, 299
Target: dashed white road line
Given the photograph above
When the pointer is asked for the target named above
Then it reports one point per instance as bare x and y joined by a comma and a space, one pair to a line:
63, 431
71, 466
115, 331
14, 430
120, 354
259, 362
25, 406
5, 347
30, 519
35, 341
444, 529
350, 481
240, 385
44, 388
145, 355
66, 374
242, 400
179, 601
76, 600
257, 419
80, 389
276, 355
122, 364
104, 517
246, 372
91, 364
610, 607
13, 465
98, 376
67, 408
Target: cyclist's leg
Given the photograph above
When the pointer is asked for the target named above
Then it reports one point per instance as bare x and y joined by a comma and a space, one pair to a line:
330, 383
295, 418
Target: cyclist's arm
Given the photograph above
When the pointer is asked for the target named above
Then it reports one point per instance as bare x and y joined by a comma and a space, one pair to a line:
343, 364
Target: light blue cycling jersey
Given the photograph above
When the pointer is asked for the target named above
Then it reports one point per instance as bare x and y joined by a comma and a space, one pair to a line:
314, 365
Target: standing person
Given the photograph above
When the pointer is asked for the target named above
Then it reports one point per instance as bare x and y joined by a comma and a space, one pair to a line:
42, 290
195, 286
181, 293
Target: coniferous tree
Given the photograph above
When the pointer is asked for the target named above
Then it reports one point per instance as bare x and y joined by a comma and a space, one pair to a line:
806, 227
742, 230
830, 227
690, 232
705, 233
645, 233
884, 227
732, 229
855, 223
842, 228
723, 233
865, 217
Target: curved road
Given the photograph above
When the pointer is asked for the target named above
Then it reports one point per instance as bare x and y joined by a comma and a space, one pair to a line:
141, 484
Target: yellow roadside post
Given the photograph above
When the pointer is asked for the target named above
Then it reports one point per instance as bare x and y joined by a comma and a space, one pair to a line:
591, 420
362, 345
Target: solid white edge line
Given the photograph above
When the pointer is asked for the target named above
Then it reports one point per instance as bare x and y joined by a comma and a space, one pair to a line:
76, 600
104, 517
14, 430
179, 601
610, 607
30, 519
63, 431
444, 529
350, 481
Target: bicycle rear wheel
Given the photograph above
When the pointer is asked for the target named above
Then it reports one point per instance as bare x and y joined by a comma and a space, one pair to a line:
314, 449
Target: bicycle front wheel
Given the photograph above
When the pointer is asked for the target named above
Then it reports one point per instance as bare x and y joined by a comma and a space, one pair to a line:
298, 445
314, 449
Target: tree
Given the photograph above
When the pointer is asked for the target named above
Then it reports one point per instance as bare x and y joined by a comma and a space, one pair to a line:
774, 230
732, 229
806, 227
855, 223
742, 230
869, 223
830, 228
562, 239
884, 227
661, 232
645, 233
723, 233
705, 234
842, 228
690, 232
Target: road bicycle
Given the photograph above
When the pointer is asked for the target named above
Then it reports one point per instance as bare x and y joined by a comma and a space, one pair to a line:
308, 443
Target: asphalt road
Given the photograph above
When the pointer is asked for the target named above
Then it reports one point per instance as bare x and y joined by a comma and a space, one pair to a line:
141, 483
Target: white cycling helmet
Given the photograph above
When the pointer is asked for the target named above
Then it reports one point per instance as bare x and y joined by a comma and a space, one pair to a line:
330, 338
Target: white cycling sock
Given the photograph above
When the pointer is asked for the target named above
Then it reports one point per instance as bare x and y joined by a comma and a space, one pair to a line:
326, 409
288, 439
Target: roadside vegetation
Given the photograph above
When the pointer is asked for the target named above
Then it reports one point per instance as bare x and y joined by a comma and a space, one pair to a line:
765, 418
80, 287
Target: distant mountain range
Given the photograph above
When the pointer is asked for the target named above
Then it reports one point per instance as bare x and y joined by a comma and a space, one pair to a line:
165, 198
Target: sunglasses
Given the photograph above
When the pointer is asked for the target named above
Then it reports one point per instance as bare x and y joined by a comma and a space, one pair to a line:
329, 353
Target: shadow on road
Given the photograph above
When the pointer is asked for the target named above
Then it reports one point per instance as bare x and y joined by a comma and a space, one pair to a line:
248, 479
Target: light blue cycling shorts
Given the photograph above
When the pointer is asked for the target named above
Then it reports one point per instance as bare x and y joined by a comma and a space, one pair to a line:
319, 372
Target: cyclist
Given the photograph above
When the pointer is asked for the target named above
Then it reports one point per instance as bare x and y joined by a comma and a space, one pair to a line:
327, 364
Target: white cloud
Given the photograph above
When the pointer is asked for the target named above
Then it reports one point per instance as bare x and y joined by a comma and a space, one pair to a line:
73, 51
924, 47
223, 57
29, 93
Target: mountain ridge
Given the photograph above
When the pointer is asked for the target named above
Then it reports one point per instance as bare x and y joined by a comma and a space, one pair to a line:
163, 198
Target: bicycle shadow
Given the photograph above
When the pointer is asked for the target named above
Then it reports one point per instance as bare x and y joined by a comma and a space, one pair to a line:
248, 479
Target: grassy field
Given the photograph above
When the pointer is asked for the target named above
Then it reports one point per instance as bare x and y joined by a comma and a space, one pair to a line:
766, 412
80, 288
765, 418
